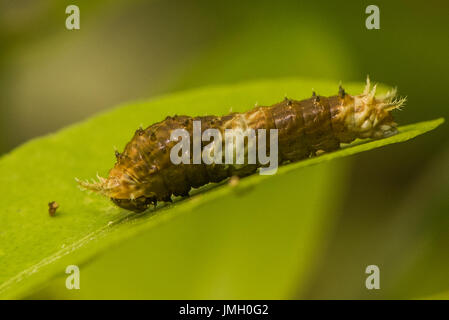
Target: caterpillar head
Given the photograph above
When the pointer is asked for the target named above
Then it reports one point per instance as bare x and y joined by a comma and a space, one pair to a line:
371, 116
121, 188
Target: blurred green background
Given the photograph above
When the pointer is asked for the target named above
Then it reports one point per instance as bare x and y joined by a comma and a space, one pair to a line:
395, 202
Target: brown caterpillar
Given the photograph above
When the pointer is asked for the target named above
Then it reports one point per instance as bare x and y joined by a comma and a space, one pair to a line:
144, 174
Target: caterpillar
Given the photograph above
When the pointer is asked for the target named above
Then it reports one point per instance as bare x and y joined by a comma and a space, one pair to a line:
143, 173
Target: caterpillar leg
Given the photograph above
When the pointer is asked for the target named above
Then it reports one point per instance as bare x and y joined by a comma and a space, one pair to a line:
137, 205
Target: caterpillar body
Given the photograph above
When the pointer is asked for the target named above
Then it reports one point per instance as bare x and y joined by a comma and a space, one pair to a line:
144, 174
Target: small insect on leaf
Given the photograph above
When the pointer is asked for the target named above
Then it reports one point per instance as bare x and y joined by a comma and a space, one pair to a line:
52, 207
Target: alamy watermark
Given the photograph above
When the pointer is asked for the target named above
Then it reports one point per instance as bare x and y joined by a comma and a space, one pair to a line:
373, 20
373, 280
235, 151
73, 280
72, 22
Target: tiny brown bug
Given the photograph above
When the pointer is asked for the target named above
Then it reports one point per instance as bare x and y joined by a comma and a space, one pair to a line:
52, 207
144, 174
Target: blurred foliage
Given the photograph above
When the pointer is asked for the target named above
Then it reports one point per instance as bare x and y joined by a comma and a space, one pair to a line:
50, 77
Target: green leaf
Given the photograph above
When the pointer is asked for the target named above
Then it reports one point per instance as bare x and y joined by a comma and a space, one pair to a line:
439, 296
259, 239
